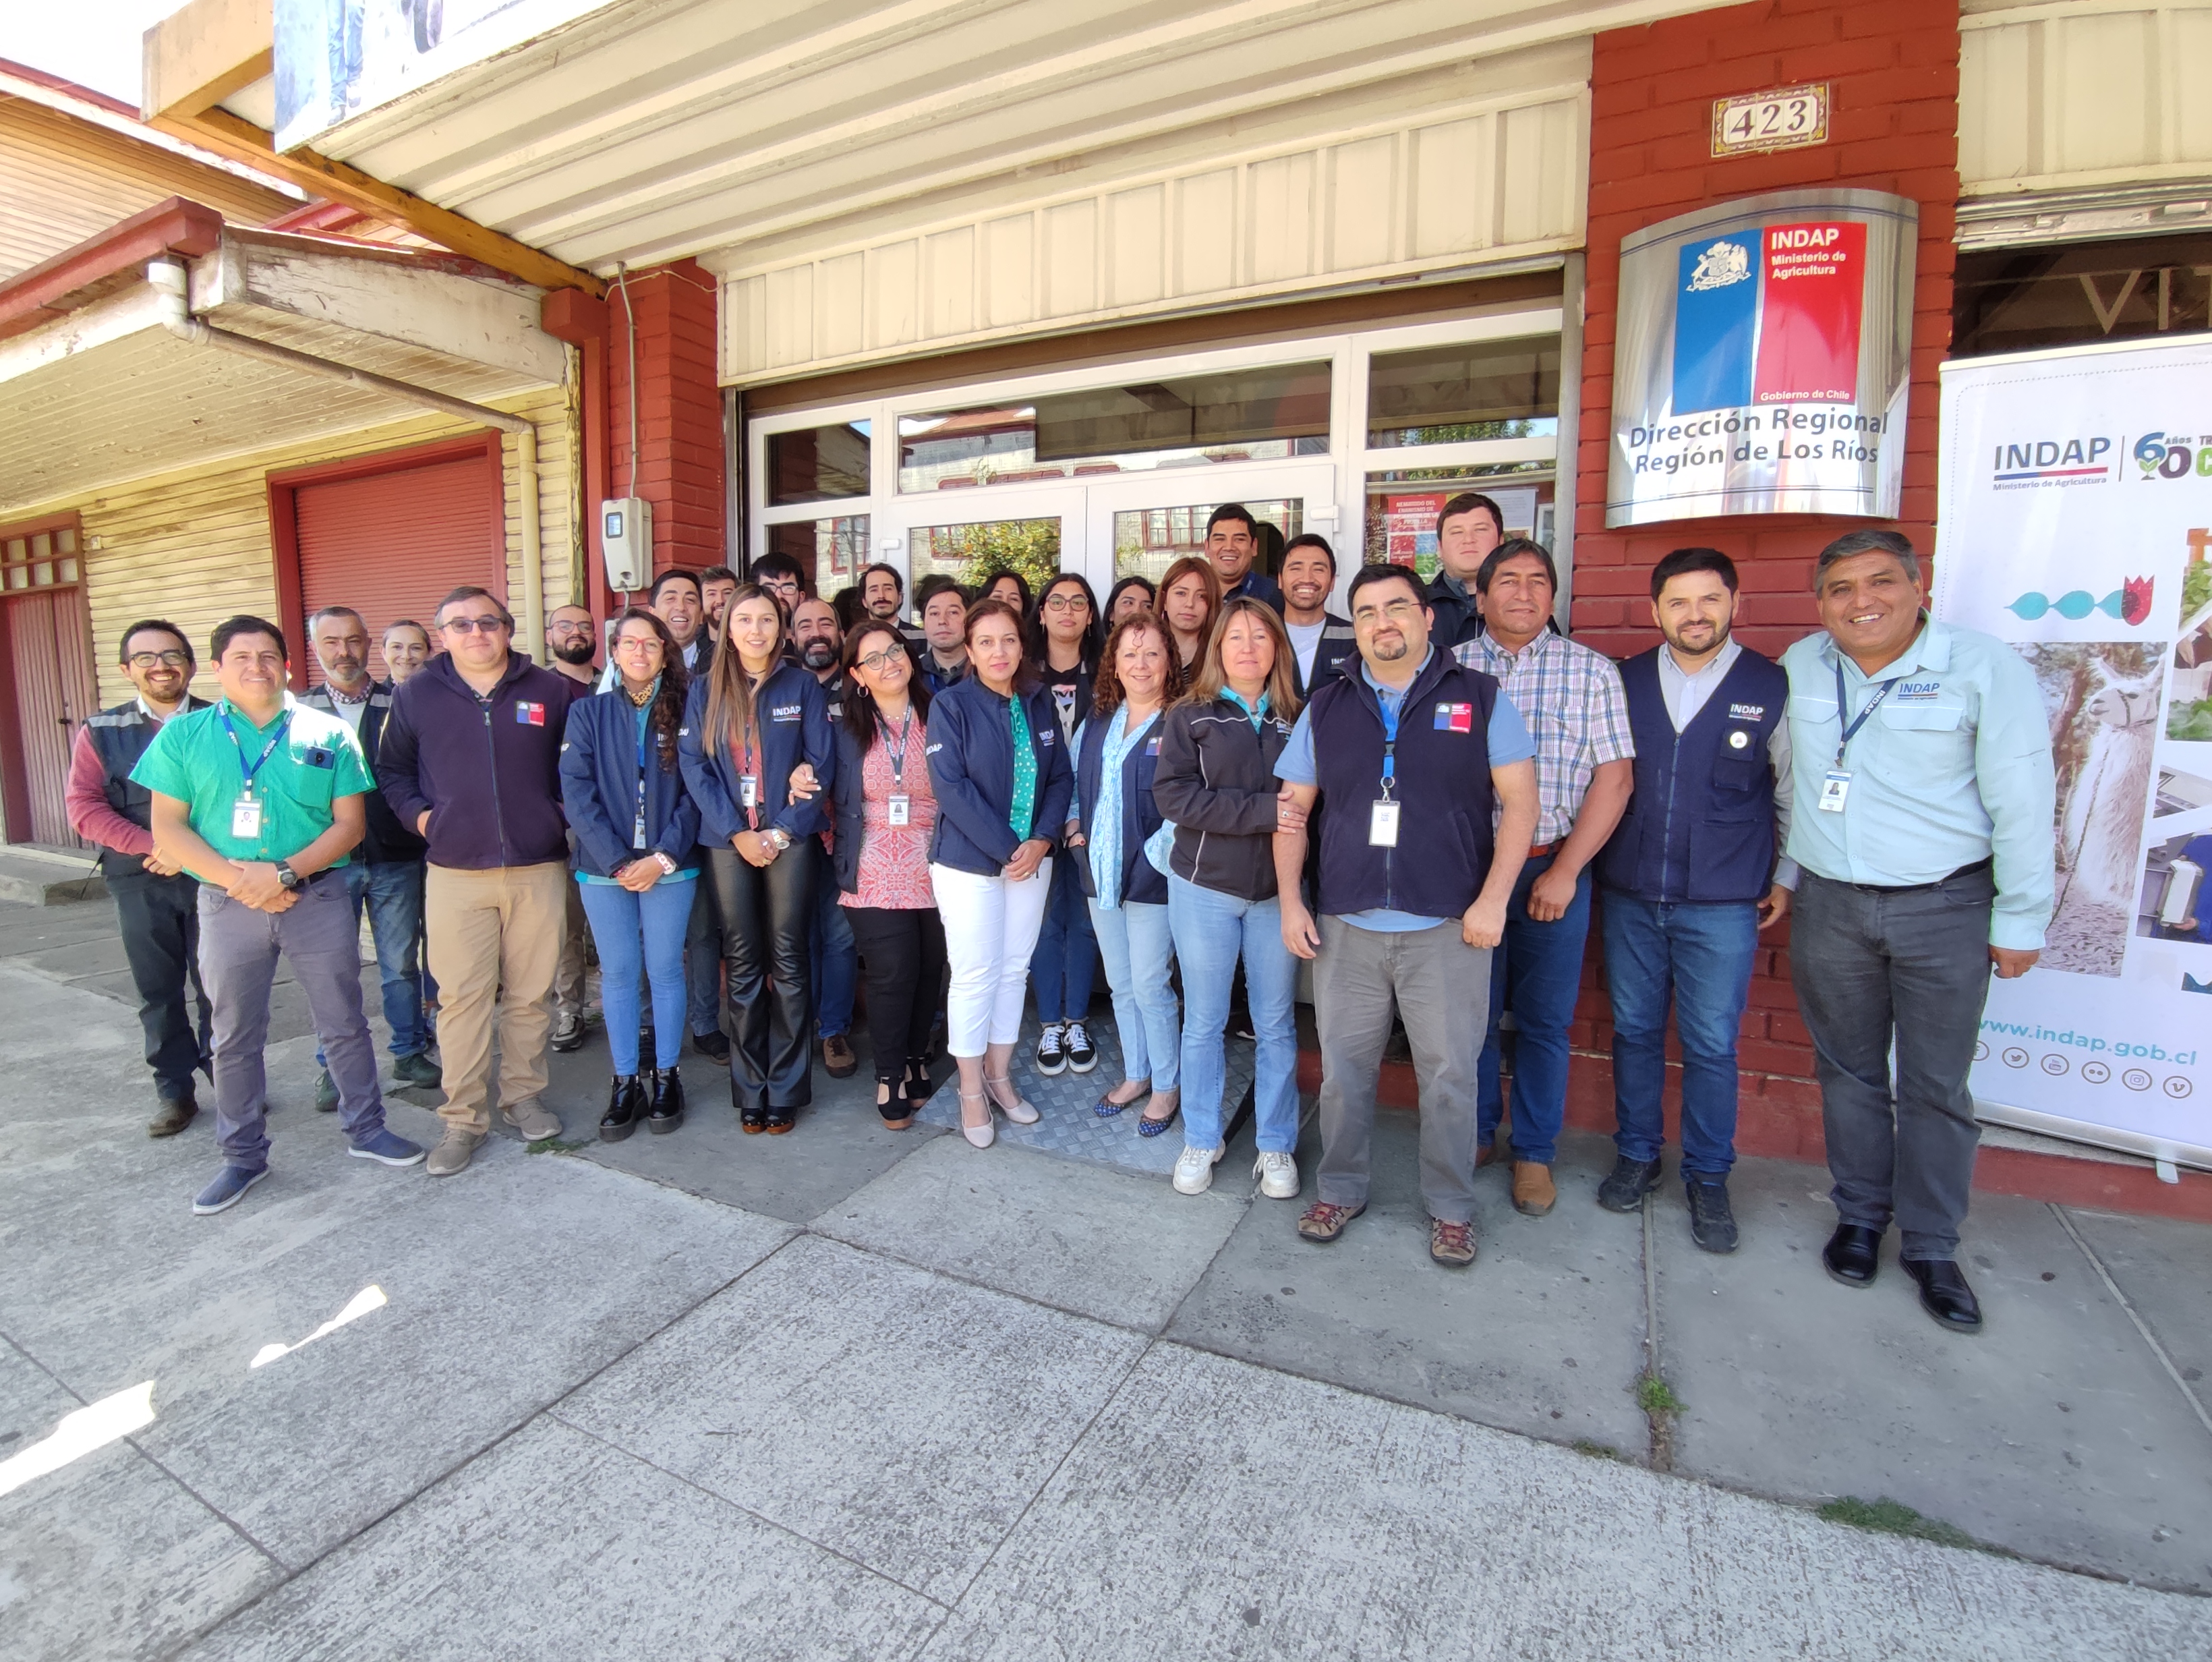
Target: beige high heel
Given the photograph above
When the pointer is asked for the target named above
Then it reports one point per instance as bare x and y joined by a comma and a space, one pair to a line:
1019, 1109
983, 1136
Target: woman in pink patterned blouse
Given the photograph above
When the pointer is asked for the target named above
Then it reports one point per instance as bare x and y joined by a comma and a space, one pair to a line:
885, 812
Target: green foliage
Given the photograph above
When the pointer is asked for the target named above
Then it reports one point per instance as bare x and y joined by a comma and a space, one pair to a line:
1655, 1395
553, 1146
1030, 547
1598, 1450
2188, 720
2196, 588
1888, 1517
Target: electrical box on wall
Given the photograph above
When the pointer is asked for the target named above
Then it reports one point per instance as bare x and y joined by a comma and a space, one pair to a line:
626, 541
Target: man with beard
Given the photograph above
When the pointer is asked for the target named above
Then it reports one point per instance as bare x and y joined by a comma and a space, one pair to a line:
384, 877
570, 646
837, 957
883, 591
716, 584
1689, 881
156, 901
1320, 642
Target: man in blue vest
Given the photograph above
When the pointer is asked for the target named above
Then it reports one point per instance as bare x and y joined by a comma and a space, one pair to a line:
156, 902
1689, 881
1413, 755
1322, 642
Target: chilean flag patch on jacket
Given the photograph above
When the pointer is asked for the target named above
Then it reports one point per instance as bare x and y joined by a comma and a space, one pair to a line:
530, 715
1455, 718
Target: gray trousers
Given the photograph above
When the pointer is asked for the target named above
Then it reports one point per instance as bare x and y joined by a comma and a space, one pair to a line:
1441, 985
238, 946
1876, 969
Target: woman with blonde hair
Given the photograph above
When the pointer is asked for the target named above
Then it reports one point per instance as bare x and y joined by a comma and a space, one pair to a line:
1216, 783
1189, 604
751, 722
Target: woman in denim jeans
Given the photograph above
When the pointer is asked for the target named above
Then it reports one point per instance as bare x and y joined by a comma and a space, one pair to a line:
1216, 783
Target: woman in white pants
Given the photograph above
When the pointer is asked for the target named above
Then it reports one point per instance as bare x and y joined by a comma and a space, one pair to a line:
1003, 780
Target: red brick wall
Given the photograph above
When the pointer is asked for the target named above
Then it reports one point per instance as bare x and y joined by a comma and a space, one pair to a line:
679, 413
1893, 69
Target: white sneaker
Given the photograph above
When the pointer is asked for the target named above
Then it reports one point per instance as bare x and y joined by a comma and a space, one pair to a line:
1193, 1172
1278, 1174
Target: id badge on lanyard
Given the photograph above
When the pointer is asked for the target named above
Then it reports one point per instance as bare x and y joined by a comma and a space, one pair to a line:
1836, 784
246, 816
245, 812
1382, 814
898, 808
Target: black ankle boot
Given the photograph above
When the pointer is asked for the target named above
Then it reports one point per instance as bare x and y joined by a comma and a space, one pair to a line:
625, 1103
667, 1101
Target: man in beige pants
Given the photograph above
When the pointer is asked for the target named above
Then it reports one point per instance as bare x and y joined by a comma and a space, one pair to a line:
470, 757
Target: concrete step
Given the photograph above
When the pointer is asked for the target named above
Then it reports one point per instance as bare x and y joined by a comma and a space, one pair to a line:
35, 876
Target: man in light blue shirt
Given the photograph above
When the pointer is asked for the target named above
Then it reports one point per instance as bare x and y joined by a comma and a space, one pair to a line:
1921, 825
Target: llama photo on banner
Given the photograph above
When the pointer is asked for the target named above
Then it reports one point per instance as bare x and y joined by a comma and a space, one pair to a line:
2075, 522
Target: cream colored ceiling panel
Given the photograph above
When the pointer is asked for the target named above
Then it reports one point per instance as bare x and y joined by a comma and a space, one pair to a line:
1540, 172
2000, 103
1361, 204
894, 280
949, 294
743, 320
2189, 34
1009, 273
1280, 210
789, 302
1454, 171
841, 319
2107, 90
1205, 232
1136, 246
1071, 258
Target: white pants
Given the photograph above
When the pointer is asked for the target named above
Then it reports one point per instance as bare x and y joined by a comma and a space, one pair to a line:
991, 927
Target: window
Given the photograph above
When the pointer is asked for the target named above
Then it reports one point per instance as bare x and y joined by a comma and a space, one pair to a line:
43, 558
2016, 300
1490, 389
818, 463
1148, 540
833, 550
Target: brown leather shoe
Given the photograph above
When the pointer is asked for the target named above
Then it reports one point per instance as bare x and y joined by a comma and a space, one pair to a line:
1451, 1244
837, 1056
1485, 1155
1533, 1192
172, 1116
1325, 1221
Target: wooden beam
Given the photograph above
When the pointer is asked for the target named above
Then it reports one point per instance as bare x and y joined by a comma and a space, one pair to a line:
218, 130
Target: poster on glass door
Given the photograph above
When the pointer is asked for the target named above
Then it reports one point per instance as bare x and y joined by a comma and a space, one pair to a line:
2075, 520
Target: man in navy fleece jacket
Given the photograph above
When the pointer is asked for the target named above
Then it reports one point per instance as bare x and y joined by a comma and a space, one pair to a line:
472, 760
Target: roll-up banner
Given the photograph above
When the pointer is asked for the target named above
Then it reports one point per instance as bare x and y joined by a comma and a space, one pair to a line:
2075, 521
1763, 352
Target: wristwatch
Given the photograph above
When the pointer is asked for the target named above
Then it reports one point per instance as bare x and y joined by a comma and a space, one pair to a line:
287, 876
781, 837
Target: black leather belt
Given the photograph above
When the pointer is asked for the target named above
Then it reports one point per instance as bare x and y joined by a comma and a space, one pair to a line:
1982, 864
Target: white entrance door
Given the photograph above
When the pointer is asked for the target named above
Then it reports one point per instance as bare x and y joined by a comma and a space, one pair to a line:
1142, 523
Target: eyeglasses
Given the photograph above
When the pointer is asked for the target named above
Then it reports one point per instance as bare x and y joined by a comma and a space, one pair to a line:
877, 662
1396, 611
1067, 603
570, 628
474, 625
170, 659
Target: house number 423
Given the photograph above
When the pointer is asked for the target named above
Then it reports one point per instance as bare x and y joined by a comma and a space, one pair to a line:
1781, 120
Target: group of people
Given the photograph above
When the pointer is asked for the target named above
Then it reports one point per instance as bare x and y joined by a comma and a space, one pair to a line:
764, 795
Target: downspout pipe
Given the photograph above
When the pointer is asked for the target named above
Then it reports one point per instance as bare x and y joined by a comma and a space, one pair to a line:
172, 282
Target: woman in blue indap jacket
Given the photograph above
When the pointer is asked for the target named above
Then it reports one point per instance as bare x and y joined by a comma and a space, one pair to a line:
751, 719
999, 769
1116, 754
636, 861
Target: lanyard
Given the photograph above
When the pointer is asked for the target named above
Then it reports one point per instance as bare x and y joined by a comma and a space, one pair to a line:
644, 735
1389, 741
1860, 720
284, 726
897, 753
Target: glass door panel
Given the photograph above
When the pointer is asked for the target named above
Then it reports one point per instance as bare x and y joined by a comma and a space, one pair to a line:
1139, 528
971, 537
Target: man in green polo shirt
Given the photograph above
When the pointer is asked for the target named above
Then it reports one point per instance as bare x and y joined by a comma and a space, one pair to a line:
261, 799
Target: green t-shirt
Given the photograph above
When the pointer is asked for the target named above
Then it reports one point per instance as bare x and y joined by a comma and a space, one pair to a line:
195, 759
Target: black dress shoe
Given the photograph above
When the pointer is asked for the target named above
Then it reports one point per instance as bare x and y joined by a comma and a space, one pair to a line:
626, 1103
1631, 1180
1853, 1254
714, 1044
1712, 1219
1945, 1295
667, 1112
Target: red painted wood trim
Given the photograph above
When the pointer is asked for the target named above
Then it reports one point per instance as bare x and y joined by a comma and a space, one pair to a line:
177, 226
15, 771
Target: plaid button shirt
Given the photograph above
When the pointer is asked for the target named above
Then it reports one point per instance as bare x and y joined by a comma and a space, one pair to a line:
1576, 711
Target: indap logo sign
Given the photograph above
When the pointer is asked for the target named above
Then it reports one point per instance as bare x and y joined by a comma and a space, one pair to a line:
2083, 459
1805, 236
2173, 456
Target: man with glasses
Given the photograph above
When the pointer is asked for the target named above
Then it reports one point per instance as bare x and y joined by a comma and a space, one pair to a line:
1416, 754
571, 643
1232, 543
1468, 528
472, 759
262, 801
783, 577
384, 877
156, 902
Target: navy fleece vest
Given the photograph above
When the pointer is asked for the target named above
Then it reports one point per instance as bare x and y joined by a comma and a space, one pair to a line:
120, 736
1700, 826
1443, 787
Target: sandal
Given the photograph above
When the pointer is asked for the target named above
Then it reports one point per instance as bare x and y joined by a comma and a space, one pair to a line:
983, 1136
915, 1086
1019, 1110
888, 1104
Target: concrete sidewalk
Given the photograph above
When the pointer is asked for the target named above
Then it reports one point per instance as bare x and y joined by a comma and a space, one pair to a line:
852, 1392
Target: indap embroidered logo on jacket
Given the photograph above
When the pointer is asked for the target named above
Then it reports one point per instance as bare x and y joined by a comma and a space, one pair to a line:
530, 715
784, 713
1746, 712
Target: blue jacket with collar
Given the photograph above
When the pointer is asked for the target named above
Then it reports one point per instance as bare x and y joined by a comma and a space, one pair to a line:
794, 727
1141, 881
599, 776
971, 768
486, 769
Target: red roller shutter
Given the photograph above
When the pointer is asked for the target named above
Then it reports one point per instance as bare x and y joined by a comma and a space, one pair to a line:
393, 544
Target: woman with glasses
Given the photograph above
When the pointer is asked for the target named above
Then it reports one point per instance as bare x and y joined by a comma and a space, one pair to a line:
1115, 815
1216, 783
1128, 598
750, 721
1190, 601
1065, 640
999, 769
637, 864
886, 815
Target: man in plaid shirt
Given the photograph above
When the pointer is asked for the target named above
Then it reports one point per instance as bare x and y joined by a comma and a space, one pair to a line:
1572, 700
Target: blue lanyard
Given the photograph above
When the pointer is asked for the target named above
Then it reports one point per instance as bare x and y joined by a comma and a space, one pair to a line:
1389, 741
284, 726
1859, 720
644, 719
897, 753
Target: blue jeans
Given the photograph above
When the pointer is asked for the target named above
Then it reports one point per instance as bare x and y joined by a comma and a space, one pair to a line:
703, 964
1211, 930
1537, 972
1066, 951
621, 922
1702, 953
836, 959
1135, 945
390, 892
